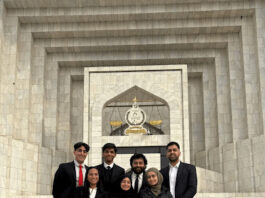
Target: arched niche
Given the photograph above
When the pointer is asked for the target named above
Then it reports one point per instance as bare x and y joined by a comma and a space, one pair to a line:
156, 109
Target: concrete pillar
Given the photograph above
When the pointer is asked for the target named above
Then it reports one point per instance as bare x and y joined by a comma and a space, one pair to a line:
260, 31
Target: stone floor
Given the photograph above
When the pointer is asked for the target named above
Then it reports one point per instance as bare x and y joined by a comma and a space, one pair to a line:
198, 195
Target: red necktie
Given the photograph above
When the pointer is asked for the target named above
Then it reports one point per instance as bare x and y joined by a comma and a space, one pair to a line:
80, 181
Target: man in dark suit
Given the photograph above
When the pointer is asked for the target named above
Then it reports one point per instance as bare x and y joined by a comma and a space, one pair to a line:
138, 164
70, 177
179, 177
110, 173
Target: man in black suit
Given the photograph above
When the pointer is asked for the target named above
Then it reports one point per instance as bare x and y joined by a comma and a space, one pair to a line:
70, 177
110, 173
138, 164
179, 177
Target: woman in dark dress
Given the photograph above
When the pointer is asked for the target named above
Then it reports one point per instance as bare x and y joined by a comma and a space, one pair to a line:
126, 190
154, 188
92, 186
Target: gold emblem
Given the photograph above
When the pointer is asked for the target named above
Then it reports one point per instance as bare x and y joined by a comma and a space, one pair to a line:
135, 118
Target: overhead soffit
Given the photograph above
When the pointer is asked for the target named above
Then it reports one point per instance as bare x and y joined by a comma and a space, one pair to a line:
136, 62
72, 18
85, 18
137, 48
135, 32
83, 3
124, 17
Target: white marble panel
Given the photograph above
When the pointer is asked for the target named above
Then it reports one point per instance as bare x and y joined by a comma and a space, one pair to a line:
99, 93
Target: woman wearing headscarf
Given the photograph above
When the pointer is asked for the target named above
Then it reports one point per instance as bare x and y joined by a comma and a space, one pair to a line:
126, 190
155, 188
92, 185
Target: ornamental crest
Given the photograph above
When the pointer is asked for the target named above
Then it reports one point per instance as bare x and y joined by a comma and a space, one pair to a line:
135, 118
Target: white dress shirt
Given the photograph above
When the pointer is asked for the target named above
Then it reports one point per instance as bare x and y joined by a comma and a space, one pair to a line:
77, 171
92, 192
106, 165
173, 171
140, 180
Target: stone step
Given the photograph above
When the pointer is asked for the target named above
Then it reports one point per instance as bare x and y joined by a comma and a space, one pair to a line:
228, 195
198, 195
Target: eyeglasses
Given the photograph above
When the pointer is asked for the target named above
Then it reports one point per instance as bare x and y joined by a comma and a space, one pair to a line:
81, 151
151, 176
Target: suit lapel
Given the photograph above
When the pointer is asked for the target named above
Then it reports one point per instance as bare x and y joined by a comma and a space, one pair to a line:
101, 172
130, 174
102, 168
144, 179
113, 174
167, 176
180, 172
73, 170
86, 171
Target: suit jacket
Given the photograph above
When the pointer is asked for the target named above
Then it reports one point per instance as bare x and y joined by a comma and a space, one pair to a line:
128, 194
113, 187
147, 193
186, 182
144, 183
64, 184
100, 193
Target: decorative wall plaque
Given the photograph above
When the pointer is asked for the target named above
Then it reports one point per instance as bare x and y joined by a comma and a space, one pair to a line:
135, 118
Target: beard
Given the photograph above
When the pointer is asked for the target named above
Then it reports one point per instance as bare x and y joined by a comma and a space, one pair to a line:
138, 170
173, 158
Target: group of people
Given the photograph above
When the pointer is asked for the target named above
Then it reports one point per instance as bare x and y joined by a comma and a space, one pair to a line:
108, 180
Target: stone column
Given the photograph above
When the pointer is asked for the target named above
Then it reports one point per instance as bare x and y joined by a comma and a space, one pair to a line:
237, 89
223, 98
37, 93
23, 81
260, 31
50, 106
3, 121
251, 77
8, 36
196, 117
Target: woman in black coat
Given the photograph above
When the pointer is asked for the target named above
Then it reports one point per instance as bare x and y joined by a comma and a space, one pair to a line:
126, 190
92, 185
154, 188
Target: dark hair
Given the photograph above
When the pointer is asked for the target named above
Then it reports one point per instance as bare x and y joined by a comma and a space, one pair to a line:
172, 143
91, 167
138, 156
79, 144
124, 176
109, 146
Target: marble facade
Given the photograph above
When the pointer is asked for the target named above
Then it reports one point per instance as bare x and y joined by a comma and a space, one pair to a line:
59, 59
101, 84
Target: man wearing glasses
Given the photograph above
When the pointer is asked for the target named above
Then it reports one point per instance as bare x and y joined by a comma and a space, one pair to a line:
70, 177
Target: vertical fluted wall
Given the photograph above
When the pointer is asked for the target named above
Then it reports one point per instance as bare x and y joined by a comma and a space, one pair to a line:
46, 46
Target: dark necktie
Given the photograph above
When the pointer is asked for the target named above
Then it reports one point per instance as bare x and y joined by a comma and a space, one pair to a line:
108, 174
136, 183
